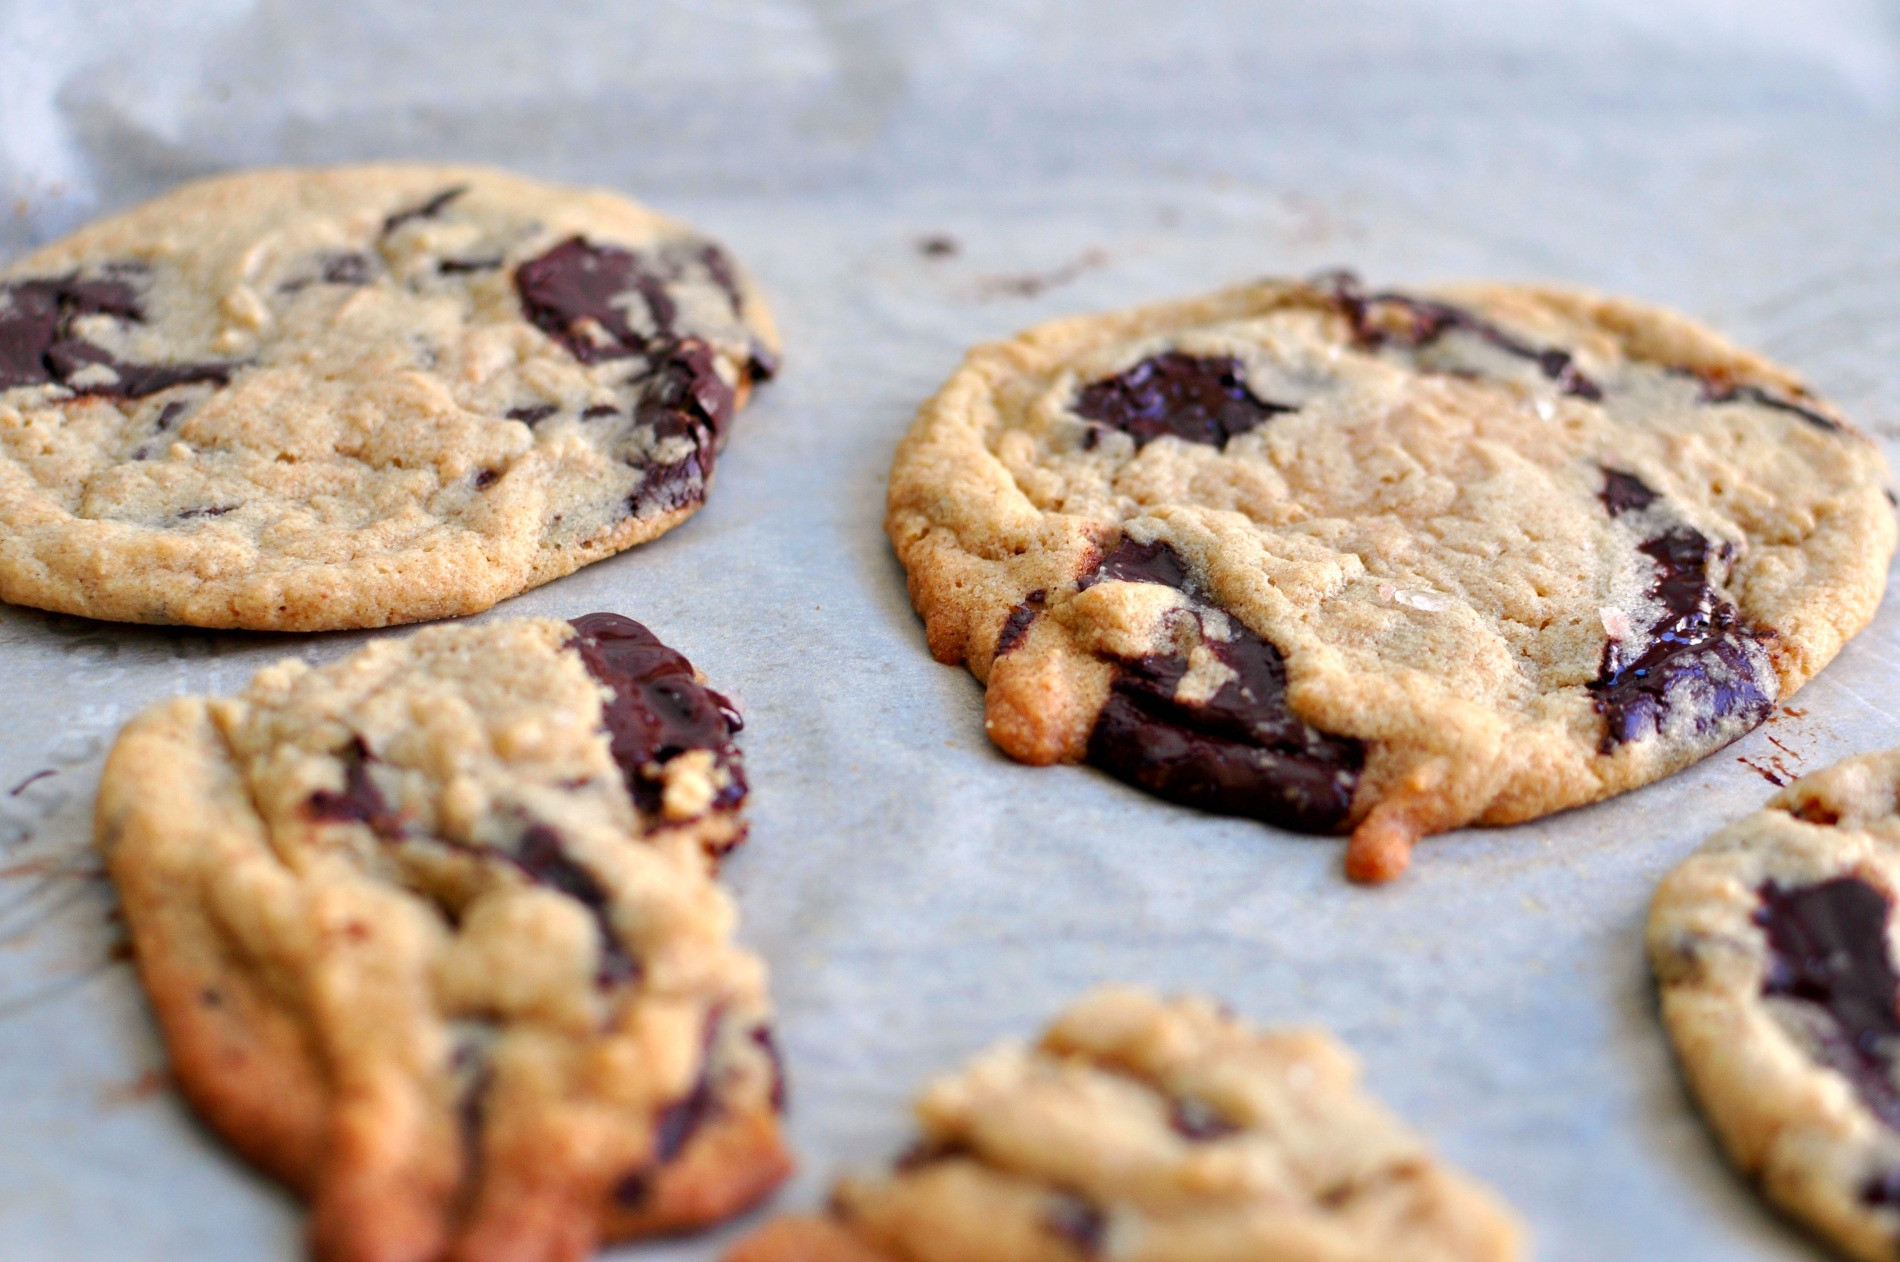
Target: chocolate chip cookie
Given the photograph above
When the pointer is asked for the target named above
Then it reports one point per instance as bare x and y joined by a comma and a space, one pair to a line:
1385, 563
1773, 945
1160, 1130
302, 400
433, 937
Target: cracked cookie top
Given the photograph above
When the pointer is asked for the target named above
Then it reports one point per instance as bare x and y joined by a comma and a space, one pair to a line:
302, 400
1164, 1130
1386, 563
433, 935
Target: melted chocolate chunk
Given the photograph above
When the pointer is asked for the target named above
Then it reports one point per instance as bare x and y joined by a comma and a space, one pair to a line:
218, 510
427, 210
1133, 562
1197, 1120
169, 414
37, 346
1196, 398
1016, 625
1624, 493
1827, 948
543, 857
1697, 652
1395, 319
571, 292
462, 267
533, 414
594, 412
360, 801
1241, 751
485, 478
1078, 1222
658, 709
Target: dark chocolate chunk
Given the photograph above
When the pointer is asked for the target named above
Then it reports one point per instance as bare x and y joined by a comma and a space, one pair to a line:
169, 414
485, 478
1827, 948
217, 510
658, 709
473, 1074
1197, 1120
1016, 625
1197, 398
1076, 1221
1719, 387
1133, 562
533, 414
427, 210
462, 267
360, 801
37, 346
1882, 1189
675, 1125
543, 857
350, 268
1395, 319
720, 268
1240, 752
928, 1152
575, 293
595, 411
1696, 654
1624, 493
761, 1035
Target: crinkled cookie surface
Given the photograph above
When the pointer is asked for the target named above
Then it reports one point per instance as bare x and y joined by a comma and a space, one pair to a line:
433, 936
1141, 1129
1385, 563
302, 400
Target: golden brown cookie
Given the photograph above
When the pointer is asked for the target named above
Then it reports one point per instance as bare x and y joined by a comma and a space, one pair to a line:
1774, 947
300, 400
1148, 1130
1385, 563
432, 935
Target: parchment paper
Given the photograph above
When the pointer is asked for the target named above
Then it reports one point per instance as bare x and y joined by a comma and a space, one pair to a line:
916, 894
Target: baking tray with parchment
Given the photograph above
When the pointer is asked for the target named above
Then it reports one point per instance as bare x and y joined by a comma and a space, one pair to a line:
906, 179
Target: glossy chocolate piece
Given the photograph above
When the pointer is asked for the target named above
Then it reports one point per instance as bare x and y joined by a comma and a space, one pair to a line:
1196, 398
1827, 949
576, 291
658, 709
1242, 751
1695, 654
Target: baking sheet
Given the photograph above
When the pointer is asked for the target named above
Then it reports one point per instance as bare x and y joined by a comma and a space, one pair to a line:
916, 894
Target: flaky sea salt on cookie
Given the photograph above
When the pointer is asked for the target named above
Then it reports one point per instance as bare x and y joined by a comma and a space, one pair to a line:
433, 937
304, 400
1774, 947
1384, 563
1142, 1129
